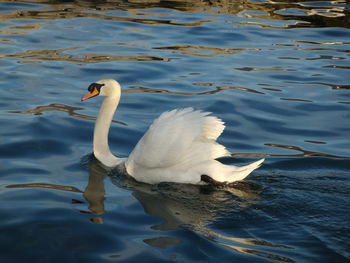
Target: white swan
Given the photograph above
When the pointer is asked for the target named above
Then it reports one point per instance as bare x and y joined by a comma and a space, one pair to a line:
180, 146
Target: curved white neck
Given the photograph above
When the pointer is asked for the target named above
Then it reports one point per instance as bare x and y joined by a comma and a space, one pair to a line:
102, 125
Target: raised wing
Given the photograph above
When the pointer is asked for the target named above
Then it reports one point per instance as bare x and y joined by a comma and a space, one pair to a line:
177, 137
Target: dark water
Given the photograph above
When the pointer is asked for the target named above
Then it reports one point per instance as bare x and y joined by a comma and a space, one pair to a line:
276, 72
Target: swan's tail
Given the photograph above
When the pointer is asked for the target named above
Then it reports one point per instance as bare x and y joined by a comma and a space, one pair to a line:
239, 173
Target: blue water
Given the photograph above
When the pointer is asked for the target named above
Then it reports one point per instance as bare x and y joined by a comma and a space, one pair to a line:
277, 73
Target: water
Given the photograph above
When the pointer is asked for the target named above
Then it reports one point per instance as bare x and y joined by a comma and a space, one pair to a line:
276, 72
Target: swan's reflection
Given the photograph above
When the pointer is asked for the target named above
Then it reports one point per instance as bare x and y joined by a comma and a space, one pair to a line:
94, 192
178, 205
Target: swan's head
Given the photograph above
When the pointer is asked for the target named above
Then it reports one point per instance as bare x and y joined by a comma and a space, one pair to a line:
104, 87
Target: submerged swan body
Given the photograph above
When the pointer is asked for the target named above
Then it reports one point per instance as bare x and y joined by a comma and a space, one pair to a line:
180, 146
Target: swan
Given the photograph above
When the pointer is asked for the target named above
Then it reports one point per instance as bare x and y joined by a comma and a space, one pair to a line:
180, 146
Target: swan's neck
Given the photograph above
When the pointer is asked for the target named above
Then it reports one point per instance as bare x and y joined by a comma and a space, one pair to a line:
102, 125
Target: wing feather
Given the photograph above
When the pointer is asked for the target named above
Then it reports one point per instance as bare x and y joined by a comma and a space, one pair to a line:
181, 136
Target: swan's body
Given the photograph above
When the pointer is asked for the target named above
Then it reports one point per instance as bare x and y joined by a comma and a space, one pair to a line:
180, 146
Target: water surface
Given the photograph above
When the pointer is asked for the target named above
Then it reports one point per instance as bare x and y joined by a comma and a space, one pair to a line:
277, 73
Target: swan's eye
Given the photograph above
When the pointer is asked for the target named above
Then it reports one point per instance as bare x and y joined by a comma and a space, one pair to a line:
94, 90
95, 86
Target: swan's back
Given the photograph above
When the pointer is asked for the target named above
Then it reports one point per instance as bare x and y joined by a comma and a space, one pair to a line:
179, 138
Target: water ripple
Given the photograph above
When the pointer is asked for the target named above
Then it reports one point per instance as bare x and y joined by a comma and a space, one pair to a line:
57, 55
61, 107
205, 51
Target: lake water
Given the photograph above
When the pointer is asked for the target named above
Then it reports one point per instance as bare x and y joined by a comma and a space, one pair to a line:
277, 73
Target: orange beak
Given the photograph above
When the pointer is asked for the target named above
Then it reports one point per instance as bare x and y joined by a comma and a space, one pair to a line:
91, 94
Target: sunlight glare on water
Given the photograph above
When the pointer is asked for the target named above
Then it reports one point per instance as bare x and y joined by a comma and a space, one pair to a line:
277, 74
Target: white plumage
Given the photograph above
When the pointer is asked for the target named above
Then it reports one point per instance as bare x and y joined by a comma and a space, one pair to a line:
180, 145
